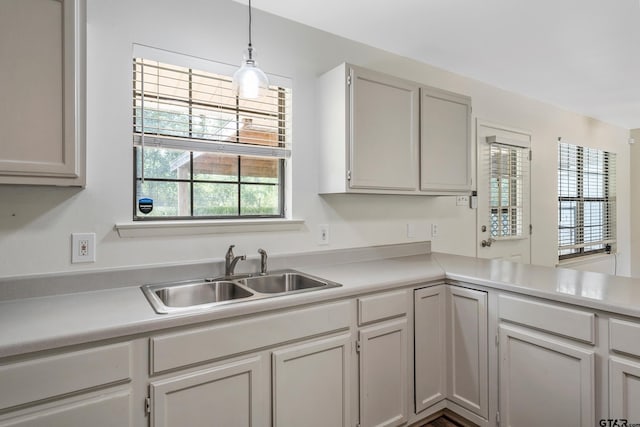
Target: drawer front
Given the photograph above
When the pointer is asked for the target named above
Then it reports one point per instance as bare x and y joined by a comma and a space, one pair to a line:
567, 322
624, 336
105, 411
229, 338
48, 377
382, 306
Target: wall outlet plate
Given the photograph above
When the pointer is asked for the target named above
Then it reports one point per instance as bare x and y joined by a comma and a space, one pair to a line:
434, 231
323, 234
83, 247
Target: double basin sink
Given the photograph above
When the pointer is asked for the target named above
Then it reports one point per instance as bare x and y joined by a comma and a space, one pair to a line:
209, 293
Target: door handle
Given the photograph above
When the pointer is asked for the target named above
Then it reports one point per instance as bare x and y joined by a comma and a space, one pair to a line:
487, 243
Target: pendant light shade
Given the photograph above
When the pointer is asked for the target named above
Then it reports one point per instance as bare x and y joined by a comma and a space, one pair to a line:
250, 81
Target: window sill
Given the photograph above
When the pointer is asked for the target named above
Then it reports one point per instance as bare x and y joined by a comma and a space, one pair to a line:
186, 228
581, 260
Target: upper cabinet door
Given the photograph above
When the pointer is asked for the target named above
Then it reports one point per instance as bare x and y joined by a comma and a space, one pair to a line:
384, 132
42, 88
445, 141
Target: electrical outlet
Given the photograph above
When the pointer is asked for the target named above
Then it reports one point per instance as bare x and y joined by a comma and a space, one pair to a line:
411, 230
434, 231
323, 234
83, 247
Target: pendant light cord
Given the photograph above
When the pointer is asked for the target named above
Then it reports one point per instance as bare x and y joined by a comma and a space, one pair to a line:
250, 46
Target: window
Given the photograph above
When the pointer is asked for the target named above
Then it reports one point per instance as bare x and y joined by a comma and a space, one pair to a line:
199, 151
507, 190
586, 200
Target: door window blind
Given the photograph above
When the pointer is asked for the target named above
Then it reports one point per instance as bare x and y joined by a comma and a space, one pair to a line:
586, 200
508, 189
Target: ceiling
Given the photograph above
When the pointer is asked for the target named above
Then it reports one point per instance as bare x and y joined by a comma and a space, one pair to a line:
581, 55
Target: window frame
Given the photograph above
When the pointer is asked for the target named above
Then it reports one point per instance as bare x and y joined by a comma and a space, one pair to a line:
607, 200
240, 152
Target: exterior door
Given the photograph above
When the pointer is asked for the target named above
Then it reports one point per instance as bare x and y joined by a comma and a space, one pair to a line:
504, 202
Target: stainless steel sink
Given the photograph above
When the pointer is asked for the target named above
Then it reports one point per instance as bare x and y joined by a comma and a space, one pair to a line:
283, 282
209, 293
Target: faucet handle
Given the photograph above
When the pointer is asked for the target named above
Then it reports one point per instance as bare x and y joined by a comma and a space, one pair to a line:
263, 261
230, 250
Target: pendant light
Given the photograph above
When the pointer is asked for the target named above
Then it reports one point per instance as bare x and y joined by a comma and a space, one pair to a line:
249, 81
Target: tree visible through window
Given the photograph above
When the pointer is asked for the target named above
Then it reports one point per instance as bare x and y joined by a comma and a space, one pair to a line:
200, 151
586, 200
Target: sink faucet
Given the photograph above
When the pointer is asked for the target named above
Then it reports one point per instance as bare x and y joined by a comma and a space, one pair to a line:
263, 261
231, 260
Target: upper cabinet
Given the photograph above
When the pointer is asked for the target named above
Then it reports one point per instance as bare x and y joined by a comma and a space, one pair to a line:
384, 135
369, 132
445, 141
42, 85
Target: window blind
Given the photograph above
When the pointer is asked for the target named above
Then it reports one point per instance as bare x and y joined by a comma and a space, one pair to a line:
586, 200
178, 107
508, 188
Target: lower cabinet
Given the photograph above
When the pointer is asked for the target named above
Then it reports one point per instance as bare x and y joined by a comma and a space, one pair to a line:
468, 363
311, 384
226, 395
544, 381
383, 374
90, 385
624, 390
430, 349
451, 354
103, 411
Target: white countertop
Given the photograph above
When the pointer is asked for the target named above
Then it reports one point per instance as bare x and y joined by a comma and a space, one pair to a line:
42, 323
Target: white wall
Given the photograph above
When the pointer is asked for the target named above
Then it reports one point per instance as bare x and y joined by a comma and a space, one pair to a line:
635, 203
35, 223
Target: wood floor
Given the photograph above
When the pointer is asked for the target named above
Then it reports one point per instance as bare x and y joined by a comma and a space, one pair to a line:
442, 422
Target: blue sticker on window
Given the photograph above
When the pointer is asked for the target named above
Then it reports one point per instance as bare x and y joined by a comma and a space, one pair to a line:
145, 205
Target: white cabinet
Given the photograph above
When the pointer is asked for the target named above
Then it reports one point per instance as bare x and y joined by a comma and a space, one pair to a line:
42, 117
430, 350
624, 389
311, 383
306, 382
70, 389
451, 354
385, 135
383, 358
468, 376
230, 394
369, 132
383, 374
624, 370
445, 141
544, 381
107, 410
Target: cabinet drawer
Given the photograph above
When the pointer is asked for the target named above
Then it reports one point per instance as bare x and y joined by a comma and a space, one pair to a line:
568, 322
624, 336
175, 350
48, 377
382, 306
